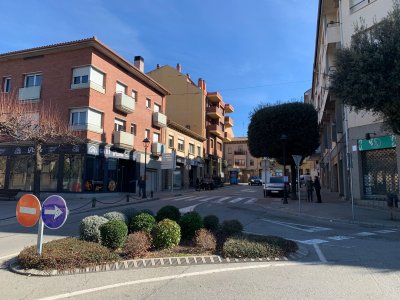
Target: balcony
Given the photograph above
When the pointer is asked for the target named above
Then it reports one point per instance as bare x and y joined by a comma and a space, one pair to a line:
214, 97
29, 93
332, 33
215, 129
228, 122
123, 140
214, 112
229, 108
157, 148
124, 103
227, 137
240, 152
159, 119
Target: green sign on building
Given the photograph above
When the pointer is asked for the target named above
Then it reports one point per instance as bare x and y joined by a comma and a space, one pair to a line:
382, 142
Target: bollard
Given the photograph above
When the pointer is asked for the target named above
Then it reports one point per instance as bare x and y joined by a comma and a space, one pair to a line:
151, 194
127, 198
94, 202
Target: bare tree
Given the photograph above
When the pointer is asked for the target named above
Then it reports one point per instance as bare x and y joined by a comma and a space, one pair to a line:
36, 123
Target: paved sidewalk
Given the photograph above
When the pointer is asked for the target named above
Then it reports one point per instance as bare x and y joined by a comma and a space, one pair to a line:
334, 208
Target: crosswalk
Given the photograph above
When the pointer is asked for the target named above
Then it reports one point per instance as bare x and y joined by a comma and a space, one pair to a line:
213, 199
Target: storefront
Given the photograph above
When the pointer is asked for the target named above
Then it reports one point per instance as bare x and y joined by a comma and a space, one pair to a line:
71, 168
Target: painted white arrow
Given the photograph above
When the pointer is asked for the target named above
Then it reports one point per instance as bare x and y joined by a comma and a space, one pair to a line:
56, 212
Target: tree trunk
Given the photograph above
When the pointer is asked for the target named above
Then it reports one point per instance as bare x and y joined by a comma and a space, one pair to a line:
37, 169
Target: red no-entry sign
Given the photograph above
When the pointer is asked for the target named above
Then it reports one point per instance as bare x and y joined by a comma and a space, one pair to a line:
28, 210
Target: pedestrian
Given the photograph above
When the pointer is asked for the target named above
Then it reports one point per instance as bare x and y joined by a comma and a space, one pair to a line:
317, 186
310, 189
141, 185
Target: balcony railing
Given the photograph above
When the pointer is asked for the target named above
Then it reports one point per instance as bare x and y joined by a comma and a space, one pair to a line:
29, 93
214, 112
216, 129
157, 148
241, 152
229, 108
124, 103
333, 33
227, 137
228, 121
123, 139
159, 119
214, 97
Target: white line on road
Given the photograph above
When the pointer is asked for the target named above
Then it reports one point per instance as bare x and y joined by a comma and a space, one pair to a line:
365, 233
165, 278
236, 200
340, 237
385, 231
223, 199
320, 254
252, 200
301, 227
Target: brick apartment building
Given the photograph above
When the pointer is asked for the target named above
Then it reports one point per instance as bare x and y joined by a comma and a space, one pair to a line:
111, 101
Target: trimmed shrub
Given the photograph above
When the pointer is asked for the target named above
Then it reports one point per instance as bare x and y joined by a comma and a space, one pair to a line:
231, 227
168, 212
89, 228
130, 213
205, 240
166, 234
190, 223
252, 247
137, 244
116, 215
147, 211
211, 222
113, 234
142, 221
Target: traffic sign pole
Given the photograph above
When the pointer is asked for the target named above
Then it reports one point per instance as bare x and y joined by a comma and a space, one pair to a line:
297, 160
39, 244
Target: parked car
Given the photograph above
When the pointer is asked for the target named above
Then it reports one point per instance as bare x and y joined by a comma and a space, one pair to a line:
255, 180
276, 185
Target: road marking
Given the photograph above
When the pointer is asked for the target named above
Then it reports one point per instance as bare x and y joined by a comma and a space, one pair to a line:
252, 200
301, 227
365, 233
236, 200
182, 198
320, 254
313, 242
167, 278
340, 237
385, 231
184, 210
223, 199
249, 191
27, 210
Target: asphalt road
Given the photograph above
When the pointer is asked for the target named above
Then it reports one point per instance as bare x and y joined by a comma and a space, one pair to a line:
344, 261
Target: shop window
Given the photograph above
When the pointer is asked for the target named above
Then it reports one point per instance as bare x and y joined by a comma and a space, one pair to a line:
3, 161
21, 172
72, 173
48, 177
94, 174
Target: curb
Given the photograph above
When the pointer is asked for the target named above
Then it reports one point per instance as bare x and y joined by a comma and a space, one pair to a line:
154, 263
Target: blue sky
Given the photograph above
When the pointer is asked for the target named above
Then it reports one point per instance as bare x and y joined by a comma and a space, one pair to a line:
251, 51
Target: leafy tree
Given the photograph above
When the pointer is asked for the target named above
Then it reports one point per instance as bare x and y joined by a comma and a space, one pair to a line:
298, 121
36, 123
367, 75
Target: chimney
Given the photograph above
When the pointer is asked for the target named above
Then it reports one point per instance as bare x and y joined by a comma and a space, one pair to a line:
188, 75
200, 83
158, 66
178, 67
204, 85
139, 63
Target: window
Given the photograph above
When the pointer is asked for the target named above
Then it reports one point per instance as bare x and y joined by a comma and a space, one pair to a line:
229, 162
134, 95
133, 129
239, 162
212, 143
171, 141
251, 162
120, 88
7, 85
157, 108
86, 119
88, 76
191, 148
81, 79
33, 80
219, 146
358, 4
181, 145
198, 151
119, 125
148, 103
78, 118
156, 137
147, 133
229, 150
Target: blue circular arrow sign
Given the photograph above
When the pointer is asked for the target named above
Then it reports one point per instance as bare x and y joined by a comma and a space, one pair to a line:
54, 212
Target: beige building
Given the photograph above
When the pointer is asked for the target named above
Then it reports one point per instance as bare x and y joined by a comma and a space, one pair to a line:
240, 161
188, 147
357, 157
203, 112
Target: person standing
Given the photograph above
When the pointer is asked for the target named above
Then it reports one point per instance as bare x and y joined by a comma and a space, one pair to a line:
141, 184
310, 188
317, 186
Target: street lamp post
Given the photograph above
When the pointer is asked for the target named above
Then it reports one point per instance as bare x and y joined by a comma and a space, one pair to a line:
284, 140
146, 143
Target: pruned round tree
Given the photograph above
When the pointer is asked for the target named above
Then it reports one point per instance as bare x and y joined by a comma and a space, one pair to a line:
298, 121
367, 75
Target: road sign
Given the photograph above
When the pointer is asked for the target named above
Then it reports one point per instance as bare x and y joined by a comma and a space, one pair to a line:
168, 161
28, 210
297, 159
54, 212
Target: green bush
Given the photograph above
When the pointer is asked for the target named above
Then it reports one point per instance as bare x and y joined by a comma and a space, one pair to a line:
166, 234
113, 234
211, 222
254, 247
205, 240
231, 227
116, 215
168, 212
89, 228
190, 223
142, 221
137, 244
